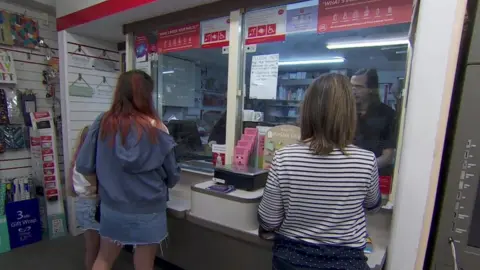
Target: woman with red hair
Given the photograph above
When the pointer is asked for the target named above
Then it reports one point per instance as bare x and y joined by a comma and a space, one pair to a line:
132, 154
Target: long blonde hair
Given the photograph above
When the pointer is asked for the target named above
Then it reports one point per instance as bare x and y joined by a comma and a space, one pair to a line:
78, 144
328, 114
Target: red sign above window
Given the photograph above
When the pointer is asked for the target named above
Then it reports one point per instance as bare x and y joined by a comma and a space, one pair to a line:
179, 38
215, 33
266, 25
341, 15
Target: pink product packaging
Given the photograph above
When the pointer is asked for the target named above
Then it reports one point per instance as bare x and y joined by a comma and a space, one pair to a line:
250, 131
247, 137
241, 156
246, 144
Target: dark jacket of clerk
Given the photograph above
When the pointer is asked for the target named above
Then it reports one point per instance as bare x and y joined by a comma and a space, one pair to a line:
219, 130
376, 121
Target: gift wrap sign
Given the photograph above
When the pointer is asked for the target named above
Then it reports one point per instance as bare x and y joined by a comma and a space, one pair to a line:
24, 226
276, 138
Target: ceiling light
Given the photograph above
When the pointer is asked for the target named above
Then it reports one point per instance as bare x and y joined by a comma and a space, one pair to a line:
367, 43
168, 72
312, 62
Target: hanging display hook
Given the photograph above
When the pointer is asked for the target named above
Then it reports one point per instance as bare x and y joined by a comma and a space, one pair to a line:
81, 79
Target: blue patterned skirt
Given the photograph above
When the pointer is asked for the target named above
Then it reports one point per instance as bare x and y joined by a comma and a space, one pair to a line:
289, 254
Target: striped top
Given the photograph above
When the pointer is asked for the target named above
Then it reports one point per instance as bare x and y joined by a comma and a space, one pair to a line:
321, 199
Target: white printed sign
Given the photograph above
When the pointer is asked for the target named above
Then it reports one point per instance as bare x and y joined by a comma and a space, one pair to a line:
264, 76
266, 25
215, 33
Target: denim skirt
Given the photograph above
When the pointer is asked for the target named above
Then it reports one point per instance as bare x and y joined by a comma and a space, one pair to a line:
132, 229
85, 213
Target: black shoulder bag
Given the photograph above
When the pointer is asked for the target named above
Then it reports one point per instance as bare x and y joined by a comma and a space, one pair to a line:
97, 207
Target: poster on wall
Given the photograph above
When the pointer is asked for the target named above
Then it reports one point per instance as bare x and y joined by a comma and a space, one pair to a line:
24, 31
7, 68
215, 33
264, 76
144, 45
5, 29
341, 15
141, 48
266, 25
179, 38
302, 19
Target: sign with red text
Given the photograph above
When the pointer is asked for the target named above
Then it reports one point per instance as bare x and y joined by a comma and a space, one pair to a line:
341, 15
215, 33
179, 38
266, 25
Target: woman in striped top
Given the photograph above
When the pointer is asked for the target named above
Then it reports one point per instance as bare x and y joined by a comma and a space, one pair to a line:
318, 190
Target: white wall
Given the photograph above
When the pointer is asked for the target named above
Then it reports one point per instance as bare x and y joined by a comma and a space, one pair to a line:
433, 69
79, 112
46, 2
65, 7
29, 72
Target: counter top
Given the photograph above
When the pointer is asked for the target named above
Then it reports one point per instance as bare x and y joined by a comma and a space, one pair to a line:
236, 195
378, 225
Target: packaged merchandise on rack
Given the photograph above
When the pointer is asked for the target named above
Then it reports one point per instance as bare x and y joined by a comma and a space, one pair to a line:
14, 189
46, 174
20, 223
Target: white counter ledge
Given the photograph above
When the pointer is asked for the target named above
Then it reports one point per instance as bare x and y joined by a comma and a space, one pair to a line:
234, 216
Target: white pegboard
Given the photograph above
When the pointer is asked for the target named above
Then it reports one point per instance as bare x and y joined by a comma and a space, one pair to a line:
29, 65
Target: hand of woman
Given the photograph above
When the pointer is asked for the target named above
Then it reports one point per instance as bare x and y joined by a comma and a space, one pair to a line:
160, 125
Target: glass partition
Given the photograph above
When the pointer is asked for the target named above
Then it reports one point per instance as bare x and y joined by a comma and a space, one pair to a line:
280, 67
192, 88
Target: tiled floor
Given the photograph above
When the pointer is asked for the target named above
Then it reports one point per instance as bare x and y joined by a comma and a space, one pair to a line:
65, 253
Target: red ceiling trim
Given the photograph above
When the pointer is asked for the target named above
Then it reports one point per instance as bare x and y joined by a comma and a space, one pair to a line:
98, 11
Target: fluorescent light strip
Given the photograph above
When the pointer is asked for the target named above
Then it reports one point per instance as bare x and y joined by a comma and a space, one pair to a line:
364, 44
168, 72
311, 62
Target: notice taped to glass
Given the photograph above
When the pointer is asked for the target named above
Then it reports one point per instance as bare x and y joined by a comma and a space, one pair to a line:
264, 76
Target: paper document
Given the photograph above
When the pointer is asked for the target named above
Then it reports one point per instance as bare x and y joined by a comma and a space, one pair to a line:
264, 76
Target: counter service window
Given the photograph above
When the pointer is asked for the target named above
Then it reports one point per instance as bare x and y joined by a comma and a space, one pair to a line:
191, 78
287, 47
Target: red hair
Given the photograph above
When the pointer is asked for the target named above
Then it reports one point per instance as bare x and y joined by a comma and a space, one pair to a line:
132, 105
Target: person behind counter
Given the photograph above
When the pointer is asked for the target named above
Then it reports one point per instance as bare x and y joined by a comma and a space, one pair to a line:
317, 190
376, 120
219, 131
132, 154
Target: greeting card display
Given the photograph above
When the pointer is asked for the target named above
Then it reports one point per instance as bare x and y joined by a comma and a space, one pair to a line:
46, 173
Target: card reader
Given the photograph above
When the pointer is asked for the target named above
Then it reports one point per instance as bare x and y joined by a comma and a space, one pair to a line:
241, 177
